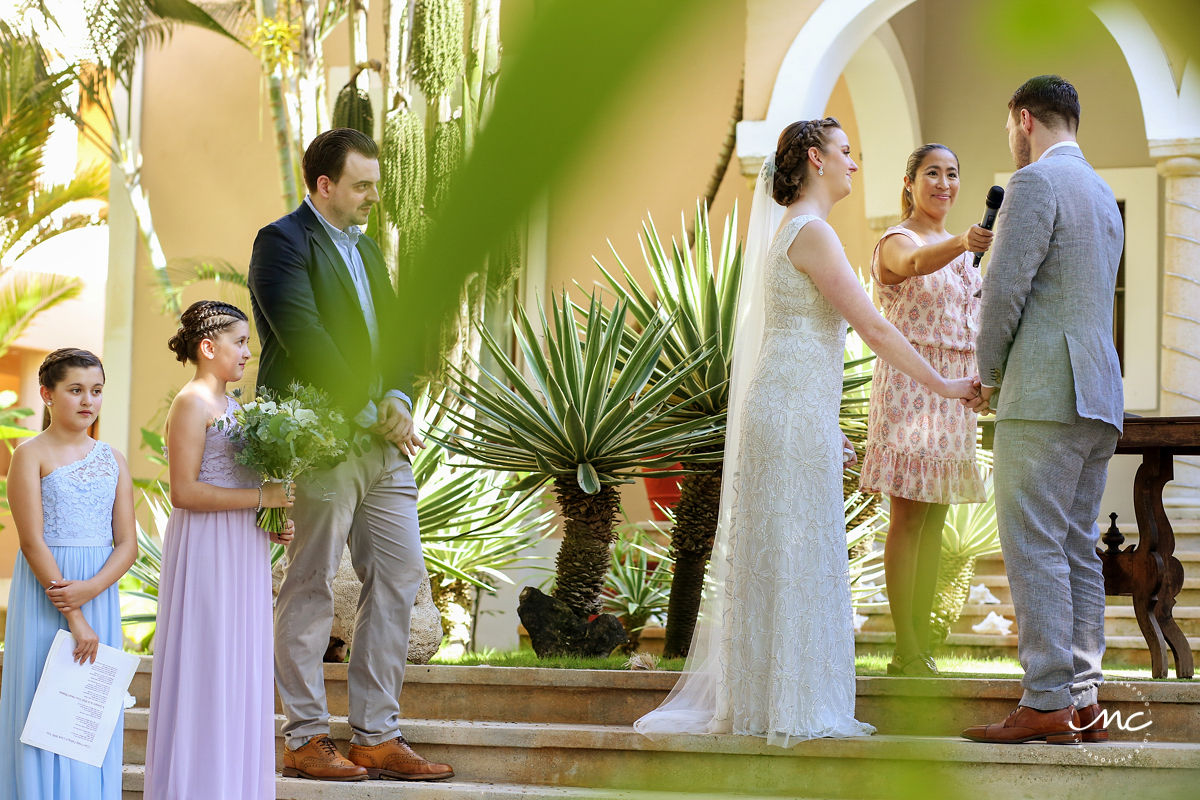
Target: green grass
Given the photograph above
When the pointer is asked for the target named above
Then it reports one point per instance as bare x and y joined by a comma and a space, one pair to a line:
867, 665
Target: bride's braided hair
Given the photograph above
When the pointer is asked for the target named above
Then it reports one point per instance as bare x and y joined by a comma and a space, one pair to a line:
791, 156
202, 320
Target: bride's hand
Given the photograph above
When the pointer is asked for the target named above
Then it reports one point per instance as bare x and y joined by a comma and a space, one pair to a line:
959, 389
849, 457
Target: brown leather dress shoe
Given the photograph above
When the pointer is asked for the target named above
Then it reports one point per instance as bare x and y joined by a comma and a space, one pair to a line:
395, 760
319, 760
1091, 724
1029, 725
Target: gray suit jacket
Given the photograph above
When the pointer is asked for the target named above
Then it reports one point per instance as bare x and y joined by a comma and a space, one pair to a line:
1046, 324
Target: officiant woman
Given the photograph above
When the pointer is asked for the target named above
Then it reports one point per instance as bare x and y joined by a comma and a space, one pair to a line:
920, 446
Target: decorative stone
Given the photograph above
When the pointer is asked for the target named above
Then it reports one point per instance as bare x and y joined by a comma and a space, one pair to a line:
555, 629
425, 631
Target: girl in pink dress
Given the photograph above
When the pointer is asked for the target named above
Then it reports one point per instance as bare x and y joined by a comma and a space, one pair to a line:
921, 447
212, 721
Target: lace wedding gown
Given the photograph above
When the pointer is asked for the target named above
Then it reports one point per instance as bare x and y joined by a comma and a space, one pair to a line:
783, 636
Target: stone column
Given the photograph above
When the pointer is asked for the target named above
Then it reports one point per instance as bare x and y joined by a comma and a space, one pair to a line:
1179, 387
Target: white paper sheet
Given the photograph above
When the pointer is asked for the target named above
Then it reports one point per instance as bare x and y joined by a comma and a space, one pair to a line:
76, 706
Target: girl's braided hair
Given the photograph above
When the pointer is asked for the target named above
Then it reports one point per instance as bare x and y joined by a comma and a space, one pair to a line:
54, 367
202, 320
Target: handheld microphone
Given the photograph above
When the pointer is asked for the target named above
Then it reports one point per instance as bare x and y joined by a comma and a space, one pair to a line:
995, 197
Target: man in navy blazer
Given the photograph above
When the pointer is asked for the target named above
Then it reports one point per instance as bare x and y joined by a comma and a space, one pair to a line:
327, 316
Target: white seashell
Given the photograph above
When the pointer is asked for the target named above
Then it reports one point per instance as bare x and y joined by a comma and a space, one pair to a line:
993, 623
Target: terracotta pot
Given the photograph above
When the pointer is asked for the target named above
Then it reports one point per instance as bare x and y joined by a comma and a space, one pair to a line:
662, 492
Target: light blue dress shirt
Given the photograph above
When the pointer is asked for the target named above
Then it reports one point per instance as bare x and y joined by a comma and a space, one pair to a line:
346, 242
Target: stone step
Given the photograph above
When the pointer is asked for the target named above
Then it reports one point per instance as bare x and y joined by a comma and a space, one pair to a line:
994, 565
882, 767
1119, 620
297, 789
1130, 650
616, 697
927, 707
1189, 595
1187, 532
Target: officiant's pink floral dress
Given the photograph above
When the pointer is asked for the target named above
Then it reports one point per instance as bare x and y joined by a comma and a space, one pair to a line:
921, 446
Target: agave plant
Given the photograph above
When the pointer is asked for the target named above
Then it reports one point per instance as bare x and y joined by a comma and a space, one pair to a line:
638, 586
472, 529
699, 288
575, 419
970, 534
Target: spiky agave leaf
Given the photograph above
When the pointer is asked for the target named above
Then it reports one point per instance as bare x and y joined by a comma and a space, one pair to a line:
574, 416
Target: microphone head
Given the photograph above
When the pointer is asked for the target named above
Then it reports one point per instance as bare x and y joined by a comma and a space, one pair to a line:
995, 197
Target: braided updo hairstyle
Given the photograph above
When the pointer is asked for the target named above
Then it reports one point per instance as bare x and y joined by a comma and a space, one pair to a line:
791, 156
202, 320
54, 367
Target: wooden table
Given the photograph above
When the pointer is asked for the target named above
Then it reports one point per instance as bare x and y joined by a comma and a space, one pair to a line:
1149, 571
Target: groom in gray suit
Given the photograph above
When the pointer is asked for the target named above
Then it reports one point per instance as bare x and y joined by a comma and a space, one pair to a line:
1048, 366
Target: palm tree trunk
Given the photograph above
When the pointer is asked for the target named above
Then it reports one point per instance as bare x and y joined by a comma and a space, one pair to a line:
583, 557
284, 151
691, 546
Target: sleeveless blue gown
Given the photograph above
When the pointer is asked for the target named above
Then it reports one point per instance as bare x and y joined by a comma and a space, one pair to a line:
77, 505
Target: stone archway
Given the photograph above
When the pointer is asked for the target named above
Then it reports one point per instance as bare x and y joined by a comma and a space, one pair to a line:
889, 127
840, 31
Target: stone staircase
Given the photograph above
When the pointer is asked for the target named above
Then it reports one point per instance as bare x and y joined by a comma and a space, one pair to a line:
540, 733
535, 733
1125, 644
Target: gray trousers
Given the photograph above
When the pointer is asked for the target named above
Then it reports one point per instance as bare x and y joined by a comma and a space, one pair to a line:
371, 500
1049, 477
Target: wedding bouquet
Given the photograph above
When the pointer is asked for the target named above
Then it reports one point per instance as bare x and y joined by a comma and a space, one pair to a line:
280, 437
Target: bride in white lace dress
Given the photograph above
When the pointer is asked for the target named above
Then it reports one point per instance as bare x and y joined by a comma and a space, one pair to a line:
773, 651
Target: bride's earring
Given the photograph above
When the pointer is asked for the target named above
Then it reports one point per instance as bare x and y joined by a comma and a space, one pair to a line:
820, 170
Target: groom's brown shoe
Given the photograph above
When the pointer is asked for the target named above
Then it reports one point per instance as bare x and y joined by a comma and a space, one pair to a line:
1029, 725
395, 760
1091, 724
319, 760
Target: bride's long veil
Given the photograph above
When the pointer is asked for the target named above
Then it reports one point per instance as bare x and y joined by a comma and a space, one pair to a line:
695, 705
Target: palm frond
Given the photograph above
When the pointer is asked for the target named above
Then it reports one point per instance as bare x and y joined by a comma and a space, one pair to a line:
43, 221
24, 296
183, 273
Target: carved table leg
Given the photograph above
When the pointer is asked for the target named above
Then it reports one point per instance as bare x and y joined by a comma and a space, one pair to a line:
1166, 620
1154, 531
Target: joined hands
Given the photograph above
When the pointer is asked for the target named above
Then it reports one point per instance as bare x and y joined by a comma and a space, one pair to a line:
981, 403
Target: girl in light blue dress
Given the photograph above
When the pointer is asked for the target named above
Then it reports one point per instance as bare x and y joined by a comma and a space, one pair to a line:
72, 502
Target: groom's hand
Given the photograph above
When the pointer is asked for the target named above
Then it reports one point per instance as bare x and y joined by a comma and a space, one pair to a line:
395, 423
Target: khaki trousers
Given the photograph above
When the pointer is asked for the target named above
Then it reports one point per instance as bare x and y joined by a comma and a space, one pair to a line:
370, 501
